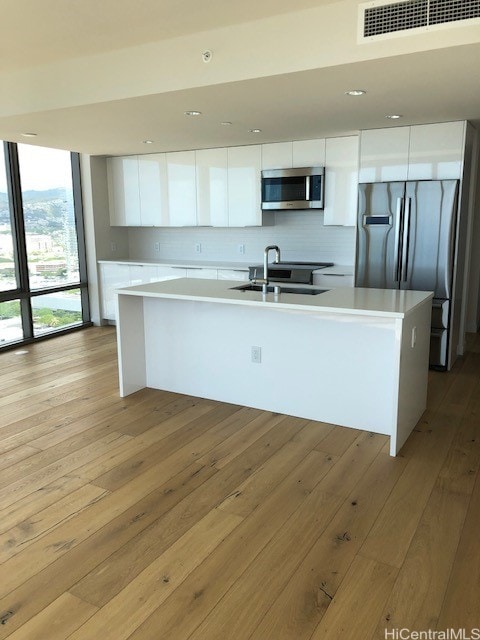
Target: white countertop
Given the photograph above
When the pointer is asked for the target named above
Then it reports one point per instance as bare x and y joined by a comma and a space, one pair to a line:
200, 264
348, 300
212, 264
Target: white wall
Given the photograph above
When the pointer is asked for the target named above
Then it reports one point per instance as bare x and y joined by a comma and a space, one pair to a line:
300, 235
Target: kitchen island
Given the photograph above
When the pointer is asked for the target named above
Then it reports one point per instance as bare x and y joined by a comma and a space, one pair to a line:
351, 357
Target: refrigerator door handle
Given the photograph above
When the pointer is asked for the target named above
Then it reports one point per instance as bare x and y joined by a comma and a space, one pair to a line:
406, 238
398, 225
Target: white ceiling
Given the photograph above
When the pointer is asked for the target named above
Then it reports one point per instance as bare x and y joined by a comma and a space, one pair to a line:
426, 86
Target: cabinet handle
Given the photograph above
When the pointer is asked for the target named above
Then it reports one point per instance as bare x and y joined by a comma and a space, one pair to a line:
333, 274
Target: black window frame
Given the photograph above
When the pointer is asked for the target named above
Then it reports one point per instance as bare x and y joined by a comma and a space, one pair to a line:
23, 293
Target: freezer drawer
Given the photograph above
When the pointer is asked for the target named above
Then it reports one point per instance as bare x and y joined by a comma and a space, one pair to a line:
440, 309
438, 348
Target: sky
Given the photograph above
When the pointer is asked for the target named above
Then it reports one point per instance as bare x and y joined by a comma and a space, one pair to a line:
40, 168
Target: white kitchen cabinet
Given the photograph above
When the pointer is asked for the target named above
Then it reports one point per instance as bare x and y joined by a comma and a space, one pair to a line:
182, 197
233, 274
384, 154
341, 181
244, 197
114, 275
333, 280
419, 152
308, 153
212, 187
123, 191
277, 155
436, 151
201, 272
152, 176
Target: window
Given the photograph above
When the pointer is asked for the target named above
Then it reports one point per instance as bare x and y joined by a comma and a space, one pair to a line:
43, 280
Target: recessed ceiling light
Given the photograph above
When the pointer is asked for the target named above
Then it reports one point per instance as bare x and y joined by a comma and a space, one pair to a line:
193, 113
355, 92
29, 135
394, 116
254, 131
226, 123
148, 142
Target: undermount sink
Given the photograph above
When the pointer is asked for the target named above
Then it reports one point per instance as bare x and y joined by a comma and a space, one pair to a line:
281, 289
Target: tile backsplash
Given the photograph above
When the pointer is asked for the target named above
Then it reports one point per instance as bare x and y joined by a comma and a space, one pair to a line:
300, 236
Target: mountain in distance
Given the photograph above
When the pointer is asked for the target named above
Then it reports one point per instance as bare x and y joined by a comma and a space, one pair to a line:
31, 196
45, 196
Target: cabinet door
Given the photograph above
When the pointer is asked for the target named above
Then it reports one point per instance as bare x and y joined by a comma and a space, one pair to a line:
341, 181
277, 155
384, 154
244, 181
182, 197
436, 151
112, 276
142, 273
333, 280
212, 200
200, 272
152, 176
233, 274
309, 153
123, 191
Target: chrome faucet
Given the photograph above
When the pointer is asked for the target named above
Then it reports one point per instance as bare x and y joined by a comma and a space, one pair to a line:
264, 280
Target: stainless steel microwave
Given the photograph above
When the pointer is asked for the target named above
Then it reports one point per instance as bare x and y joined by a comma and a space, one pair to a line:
301, 188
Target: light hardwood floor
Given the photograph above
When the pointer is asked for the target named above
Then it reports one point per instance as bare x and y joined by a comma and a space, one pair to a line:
161, 516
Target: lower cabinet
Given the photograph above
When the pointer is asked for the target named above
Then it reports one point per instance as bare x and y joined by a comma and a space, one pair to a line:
114, 275
333, 280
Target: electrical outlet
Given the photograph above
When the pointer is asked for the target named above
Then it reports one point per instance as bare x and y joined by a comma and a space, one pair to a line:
257, 355
241, 249
113, 247
198, 248
156, 246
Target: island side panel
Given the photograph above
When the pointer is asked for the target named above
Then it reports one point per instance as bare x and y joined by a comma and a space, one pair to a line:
413, 373
336, 368
130, 344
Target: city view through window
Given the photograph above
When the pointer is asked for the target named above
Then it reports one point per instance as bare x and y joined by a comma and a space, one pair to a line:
50, 241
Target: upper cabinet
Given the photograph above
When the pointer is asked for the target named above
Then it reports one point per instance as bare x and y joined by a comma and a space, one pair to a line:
153, 187
308, 153
300, 153
436, 151
277, 155
420, 152
123, 191
244, 198
182, 197
384, 154
341, 181
212, 187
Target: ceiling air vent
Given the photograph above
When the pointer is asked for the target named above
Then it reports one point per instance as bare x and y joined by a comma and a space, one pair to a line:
384, 19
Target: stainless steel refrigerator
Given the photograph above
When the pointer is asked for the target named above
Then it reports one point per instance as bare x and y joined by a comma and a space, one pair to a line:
406, 240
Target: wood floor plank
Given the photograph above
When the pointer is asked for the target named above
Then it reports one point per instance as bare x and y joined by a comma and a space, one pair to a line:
185, 437
28, 531
181, 614
460, 606
57, 621
47, 585
265, 527
297, 535
355, 608
300, 607
118, 569
156, 582
28, 484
